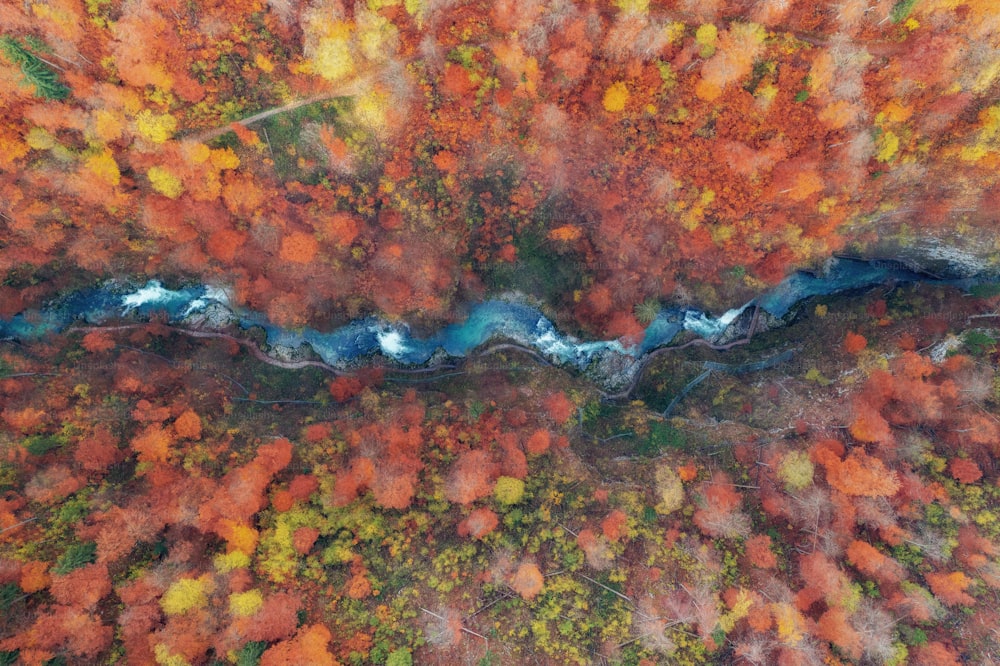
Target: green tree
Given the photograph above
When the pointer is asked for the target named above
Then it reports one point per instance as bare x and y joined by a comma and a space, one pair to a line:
35, 70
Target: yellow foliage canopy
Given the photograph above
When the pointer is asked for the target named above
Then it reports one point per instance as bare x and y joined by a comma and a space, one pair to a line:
616, 97
791, 624
184, 595
244, 604
103, 166
331, 57
165, 182
157, 128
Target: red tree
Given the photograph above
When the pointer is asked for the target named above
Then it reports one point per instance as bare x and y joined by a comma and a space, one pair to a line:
950, 588
854, 342
478, 524
471, 477
82, 587
759, 553
964, 470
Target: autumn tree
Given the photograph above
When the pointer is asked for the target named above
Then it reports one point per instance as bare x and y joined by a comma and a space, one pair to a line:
98, 450
310, 645
188, 425
718, 514
759, 552
83, 587
478, 524
964, 470
950, 588
871, 562
596, 549
859, 474
527, 580
471, 477
833, 626
854, 342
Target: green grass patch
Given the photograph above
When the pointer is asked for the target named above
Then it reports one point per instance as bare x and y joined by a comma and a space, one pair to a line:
283, 133
662, 436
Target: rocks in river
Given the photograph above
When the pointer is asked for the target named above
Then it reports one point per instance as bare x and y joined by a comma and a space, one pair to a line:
613, 371
766, 322
214, 316
741, 325
292, 354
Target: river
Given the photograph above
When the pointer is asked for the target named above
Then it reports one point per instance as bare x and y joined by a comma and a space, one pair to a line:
509, 319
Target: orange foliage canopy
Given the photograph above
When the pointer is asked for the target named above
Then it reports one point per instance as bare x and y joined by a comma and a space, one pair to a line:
759, 552
859, 474
188, 425
871, 562
615, 525
240, 493
276, 620
97, 341
299, 247
97, 451
950, 588
718, 515
303, 539
471, 477
344, 388
935, 653
833, 626
479, 523
83, 587
559, 407
302, 486
964, 470
309, 646
527, 580
538, 443
153, 444
34, 576
854, 342
869, 425
356, 477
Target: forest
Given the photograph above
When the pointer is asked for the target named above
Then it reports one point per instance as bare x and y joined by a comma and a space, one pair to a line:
823, 490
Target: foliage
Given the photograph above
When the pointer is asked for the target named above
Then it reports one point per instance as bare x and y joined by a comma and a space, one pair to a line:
276, 523
901, 10
647, 311
39, 445
400, 657
979, 343
184, 595
669, 490
796, 470
250, 653
247, 603
9, 593
616, 97
34, 70
170, 497
662, 436
508, 491
76, 556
